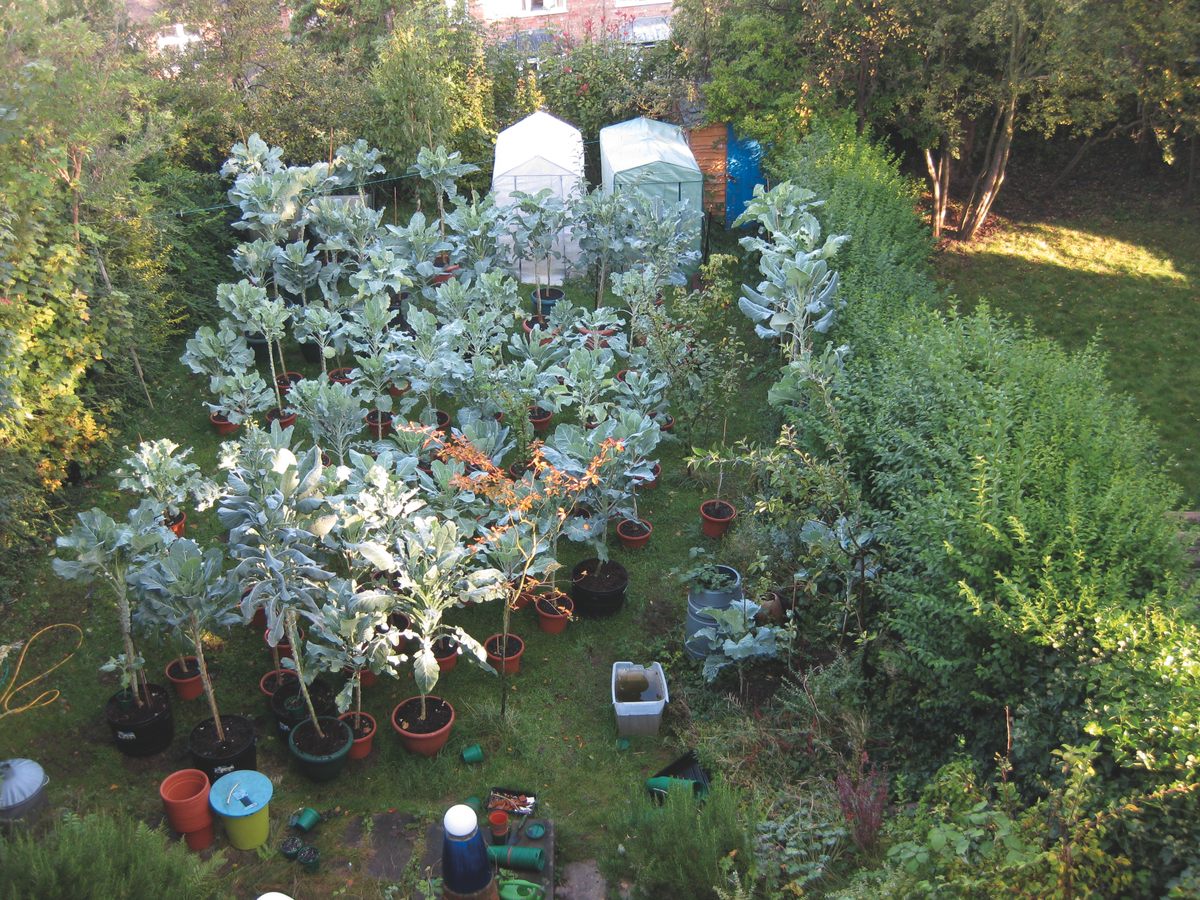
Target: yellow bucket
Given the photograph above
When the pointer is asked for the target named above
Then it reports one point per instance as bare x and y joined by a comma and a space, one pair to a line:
242, 800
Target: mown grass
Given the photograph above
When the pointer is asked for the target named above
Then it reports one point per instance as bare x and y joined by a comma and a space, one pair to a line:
558, 739
1122, 269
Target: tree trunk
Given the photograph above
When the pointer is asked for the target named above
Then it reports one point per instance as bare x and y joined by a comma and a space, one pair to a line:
987, 185
939, 185
198, 642
294, 638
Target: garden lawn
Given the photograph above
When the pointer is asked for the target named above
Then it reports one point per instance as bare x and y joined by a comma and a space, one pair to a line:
559, 740
1122, 269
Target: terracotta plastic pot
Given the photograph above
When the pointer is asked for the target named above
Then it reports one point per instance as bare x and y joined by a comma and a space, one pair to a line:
399, 390
712, 525
443, 421
221, 425
281, 676
554, 621
423, 744
653, 482
633, 541
379, 423
285, 420
283, 647
540, 418
362, 745
448, 659
340, 376
187, 687
177, 525
185, 797
286, 380
510, 663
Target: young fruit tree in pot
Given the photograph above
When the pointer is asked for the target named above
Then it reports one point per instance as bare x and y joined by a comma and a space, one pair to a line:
186, 589
98, 549
524, 521
155, 471
433, 570
441, 169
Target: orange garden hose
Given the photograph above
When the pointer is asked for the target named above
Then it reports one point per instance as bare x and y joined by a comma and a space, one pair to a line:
15, 686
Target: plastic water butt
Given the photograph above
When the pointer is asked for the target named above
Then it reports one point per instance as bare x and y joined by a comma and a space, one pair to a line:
242, 800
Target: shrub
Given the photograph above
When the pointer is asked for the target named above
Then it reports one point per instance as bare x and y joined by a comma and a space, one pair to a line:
677, 849
1028, 564
101, 857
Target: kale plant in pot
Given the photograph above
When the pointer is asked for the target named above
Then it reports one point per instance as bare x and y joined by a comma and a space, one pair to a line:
353, 636
277, 515
433, 569
441, 169
99, 549
538, 221
431, 363
186, 590
220, 353
711, 586
155, 471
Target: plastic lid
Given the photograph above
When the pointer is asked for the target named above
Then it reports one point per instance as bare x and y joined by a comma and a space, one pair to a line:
460, 821
20, 779
240, 793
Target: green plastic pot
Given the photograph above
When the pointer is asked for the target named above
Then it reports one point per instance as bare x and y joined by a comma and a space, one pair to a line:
322, 767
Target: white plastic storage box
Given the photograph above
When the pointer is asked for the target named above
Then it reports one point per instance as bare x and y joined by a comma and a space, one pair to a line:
644, 715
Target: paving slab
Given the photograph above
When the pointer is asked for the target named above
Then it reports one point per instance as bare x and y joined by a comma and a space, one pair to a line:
582, 881
389, 840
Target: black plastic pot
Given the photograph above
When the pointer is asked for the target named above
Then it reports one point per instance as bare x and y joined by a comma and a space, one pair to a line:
592, 600
238, 753
145, 730
324, 767
287, 705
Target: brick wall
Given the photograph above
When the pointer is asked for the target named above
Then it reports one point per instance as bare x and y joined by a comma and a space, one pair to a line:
574, 17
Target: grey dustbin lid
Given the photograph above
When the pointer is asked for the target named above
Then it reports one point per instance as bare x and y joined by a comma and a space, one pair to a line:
21, 780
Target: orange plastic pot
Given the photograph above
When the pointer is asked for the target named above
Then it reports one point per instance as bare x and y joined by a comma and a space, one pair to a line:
185, 797
362, 745
510, 663
187, 687
422, 744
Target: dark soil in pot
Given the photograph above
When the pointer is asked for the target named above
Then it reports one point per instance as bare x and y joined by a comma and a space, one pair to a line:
215, 757
437, 715
634, 529
361, 726
141, 730
185, 668
310, 741
287, 704
718, 509
598, 589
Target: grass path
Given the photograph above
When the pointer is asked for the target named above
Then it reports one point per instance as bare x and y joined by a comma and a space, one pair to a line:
1122, 269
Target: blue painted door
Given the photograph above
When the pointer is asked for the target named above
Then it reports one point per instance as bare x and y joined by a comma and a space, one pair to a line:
743, 170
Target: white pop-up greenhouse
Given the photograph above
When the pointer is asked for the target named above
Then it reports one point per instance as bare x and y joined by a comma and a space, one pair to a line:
653, 158
536, 153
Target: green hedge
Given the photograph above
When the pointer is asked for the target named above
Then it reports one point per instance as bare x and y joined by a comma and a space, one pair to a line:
1029, 559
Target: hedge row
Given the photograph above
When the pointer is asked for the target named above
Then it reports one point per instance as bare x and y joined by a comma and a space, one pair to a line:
1031, 563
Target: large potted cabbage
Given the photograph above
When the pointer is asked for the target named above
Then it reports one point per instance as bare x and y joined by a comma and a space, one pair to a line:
186, 590
101, 550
